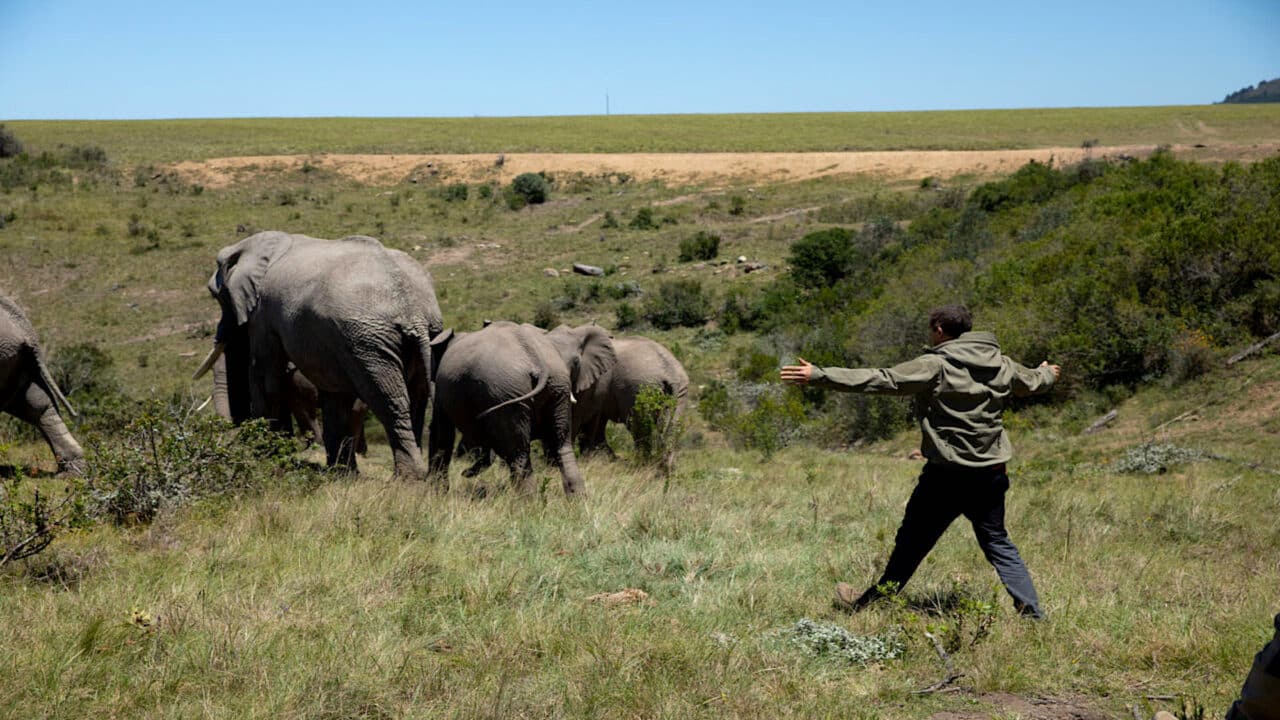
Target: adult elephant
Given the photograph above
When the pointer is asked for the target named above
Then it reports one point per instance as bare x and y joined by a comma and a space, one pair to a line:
29, 392
302, 398
509, 384
353, 316
641, 363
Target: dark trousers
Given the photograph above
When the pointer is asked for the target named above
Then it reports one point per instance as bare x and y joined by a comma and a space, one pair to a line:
943, 493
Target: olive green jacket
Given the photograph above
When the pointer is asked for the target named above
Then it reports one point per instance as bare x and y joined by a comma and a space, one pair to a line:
961, 387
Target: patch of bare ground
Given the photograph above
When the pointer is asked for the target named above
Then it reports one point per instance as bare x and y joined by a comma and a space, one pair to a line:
1001, 705
683, 168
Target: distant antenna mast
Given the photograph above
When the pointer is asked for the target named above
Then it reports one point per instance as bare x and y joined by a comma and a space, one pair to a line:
606, 103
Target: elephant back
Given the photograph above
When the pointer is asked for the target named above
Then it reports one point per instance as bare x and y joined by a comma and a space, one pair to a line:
497, 365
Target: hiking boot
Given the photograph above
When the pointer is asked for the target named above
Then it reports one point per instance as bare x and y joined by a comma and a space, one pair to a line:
848, 599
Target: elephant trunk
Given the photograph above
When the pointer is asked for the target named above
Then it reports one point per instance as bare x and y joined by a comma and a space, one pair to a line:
569, 471
220, 397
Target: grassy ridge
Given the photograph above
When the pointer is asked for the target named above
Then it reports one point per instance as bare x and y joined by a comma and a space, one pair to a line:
137, 141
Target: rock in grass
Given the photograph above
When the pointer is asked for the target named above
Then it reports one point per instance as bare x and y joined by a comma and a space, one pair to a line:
582, 269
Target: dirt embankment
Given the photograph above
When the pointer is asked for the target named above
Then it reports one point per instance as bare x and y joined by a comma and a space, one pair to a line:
682, 168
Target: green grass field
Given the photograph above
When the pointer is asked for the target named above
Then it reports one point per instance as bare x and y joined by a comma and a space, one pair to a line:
173, 140
368, 597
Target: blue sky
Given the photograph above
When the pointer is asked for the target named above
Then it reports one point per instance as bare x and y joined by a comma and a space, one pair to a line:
231, 58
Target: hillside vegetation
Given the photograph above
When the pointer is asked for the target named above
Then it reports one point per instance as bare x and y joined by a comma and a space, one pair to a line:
1267, 91
201, 570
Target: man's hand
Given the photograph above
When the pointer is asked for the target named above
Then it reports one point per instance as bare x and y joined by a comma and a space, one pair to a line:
797, 374
1056, 369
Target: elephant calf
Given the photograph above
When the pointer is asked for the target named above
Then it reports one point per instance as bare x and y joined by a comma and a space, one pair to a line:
28, 391
641, 363
507, 385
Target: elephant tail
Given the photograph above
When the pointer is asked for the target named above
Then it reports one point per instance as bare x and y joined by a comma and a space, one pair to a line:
48, 380
537, 388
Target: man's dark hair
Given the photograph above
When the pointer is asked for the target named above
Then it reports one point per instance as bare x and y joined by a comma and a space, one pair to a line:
954, 320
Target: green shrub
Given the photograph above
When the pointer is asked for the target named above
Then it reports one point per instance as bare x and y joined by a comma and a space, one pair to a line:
677, 303
702, 246
10, 146
169, 456
456, 192
822, 258
643, 220
737, 205
654, 427
30, 520
627, 316
533, 187
545, 315
754, 416
485, 191
610, 222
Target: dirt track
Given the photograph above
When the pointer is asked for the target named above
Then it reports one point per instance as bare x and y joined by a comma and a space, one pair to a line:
682, 168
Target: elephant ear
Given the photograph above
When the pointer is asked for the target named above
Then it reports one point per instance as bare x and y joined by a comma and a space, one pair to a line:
597, 357
242, 267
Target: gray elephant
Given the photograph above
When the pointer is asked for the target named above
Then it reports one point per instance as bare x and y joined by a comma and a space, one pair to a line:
28, 391
641, 363
509, 384
303, 401
354, 317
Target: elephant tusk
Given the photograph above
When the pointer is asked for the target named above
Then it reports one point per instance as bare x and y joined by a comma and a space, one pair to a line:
573, 399
204, 404
214, 354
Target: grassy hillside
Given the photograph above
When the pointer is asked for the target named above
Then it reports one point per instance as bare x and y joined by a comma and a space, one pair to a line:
173, 140
302, 594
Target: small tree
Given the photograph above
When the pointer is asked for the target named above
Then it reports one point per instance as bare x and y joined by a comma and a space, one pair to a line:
655, 428
533, 187
702, 246
9, 144
678, 303
820, 259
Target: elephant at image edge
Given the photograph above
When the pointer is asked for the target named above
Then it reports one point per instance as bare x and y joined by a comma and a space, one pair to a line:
29, 392
353, 316
303, 401
509, 384
640, 362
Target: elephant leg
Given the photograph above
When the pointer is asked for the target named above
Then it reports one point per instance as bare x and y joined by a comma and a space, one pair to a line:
339, 445
37, 407
440, 446
381, 385
356, 427
482, 456
593, 438
509, 433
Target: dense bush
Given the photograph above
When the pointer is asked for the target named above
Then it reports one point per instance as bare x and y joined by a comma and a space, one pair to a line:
169, 456
533, 188
702, 246
456, 192
1122, 272
754, 416
677, 303
643, 220
654, 427
10, 146
822, 258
